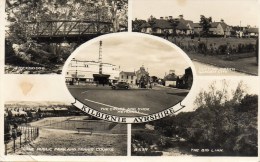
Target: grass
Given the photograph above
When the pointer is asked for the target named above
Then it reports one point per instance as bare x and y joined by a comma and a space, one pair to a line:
70, 143
58, 136
244, 62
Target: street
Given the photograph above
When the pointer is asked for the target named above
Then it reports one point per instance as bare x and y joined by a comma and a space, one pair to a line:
132, 102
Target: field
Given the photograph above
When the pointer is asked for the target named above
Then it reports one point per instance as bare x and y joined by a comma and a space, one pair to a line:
218, 41
241, 62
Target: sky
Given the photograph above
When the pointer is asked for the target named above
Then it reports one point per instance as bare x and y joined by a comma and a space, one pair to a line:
132, 51
232, 11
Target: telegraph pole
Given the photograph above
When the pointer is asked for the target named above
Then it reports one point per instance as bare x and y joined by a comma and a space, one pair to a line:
100, 57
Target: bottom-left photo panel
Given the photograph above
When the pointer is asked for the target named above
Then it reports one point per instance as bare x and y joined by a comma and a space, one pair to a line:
39, 119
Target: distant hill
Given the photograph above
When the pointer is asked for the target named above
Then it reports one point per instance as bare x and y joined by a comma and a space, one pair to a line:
36, 103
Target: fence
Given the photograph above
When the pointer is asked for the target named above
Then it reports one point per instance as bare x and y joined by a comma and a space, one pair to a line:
22, 136
98, 126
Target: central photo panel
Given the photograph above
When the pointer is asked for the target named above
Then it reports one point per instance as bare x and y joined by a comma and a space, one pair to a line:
129, 75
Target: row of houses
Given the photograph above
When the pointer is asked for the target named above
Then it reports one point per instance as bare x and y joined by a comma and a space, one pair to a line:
188, 27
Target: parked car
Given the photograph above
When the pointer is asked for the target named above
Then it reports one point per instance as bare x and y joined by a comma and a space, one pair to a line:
120, 85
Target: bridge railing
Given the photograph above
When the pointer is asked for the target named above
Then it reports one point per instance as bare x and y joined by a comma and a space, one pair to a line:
67, 27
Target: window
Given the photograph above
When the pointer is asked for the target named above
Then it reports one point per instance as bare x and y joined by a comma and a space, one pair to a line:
132, 77
122, 76
86, 65
127, 77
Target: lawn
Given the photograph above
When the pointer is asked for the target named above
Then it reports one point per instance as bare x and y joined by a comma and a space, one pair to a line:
70, 143
240, 62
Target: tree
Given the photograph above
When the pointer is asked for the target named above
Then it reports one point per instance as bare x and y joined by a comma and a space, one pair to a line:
174, 23
206, 24
136, 25
152, 22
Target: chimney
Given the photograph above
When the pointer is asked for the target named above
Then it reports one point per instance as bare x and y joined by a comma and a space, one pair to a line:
161, 18
170, 17
222, 21
166, 18
181, 16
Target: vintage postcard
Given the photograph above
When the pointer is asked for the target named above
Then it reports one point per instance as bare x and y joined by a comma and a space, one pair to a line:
128, 80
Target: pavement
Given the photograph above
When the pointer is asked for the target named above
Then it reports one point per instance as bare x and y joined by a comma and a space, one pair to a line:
131, 102
243, 66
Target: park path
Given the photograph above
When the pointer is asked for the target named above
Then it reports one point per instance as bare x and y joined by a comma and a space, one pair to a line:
211, 70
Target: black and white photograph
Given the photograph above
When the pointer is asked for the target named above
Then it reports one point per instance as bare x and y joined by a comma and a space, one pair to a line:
221, 37
221, 120
40, 121
40, 35
129, 80
129, 76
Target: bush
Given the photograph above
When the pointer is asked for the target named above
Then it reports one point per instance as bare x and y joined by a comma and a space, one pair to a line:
202, 48
222, 49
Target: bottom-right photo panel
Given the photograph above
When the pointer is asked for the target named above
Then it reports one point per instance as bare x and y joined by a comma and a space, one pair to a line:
219, 119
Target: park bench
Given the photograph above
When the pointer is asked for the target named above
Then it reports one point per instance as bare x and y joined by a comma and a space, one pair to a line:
89, 130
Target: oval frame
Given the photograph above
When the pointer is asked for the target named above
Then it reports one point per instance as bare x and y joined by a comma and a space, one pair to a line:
126, 119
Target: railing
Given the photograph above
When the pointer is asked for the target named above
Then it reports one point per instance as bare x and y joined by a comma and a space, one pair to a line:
26, 135
66, 27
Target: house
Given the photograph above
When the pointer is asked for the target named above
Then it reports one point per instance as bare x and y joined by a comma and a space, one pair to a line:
146, 28
171, 79
197, 28
128, 77
252, 32
238, 31
184, 26
158, 26
220, 29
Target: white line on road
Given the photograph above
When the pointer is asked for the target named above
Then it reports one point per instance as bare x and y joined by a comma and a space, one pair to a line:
113, 107
84, 92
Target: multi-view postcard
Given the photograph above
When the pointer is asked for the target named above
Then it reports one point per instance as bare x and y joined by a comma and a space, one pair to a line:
127, 80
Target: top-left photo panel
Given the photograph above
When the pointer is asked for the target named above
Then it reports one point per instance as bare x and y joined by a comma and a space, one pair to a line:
40, 35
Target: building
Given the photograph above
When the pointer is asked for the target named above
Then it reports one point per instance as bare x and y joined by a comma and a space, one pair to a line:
88, 71
252, 32
159, 26
142, 77
171, 79
185, 81
128, 77
197, 28
220, 29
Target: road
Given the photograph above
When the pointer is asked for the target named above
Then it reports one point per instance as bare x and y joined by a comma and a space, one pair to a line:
132, 102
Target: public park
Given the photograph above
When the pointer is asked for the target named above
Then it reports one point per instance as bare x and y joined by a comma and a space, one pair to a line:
57, 129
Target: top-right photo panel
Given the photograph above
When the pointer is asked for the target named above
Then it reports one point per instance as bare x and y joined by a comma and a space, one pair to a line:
219, 36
